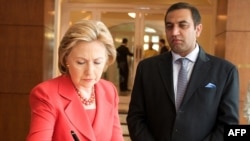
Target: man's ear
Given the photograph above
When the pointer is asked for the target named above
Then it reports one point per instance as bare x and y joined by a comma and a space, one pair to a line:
198, 30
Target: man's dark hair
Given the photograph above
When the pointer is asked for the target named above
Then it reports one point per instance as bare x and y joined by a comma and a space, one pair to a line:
182, 5
162, 41
124, 40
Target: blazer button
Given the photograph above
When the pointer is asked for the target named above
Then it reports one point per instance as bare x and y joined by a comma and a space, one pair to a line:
180, 111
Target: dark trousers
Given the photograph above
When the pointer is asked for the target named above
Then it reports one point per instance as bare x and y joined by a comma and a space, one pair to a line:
123, 76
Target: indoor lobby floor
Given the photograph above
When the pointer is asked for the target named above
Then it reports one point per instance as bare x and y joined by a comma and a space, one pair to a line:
123, 109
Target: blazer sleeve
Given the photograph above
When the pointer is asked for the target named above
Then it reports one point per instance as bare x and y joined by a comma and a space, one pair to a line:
117, 130
42, 116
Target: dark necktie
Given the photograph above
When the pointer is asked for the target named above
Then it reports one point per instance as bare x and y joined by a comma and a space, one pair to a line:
182, 81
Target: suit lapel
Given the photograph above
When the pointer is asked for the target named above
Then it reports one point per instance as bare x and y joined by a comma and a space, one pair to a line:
167, 75
74, 109
201, 66
103, 109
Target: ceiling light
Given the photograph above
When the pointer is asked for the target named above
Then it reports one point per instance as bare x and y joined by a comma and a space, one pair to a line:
132, 15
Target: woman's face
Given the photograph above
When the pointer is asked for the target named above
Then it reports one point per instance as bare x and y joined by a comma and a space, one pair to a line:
86, 63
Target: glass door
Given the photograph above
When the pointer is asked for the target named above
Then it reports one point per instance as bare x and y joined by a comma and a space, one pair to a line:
121, 25
154, 30
139, 28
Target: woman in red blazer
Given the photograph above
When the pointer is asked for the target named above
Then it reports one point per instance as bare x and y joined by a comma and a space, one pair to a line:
78, 101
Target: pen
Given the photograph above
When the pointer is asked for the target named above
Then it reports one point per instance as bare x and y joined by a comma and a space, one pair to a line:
74, 136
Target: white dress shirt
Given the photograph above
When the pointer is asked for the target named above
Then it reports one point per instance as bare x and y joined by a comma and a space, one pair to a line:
192, 56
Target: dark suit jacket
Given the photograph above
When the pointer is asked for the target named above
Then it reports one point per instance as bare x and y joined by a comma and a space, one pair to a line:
210, 102
122, 54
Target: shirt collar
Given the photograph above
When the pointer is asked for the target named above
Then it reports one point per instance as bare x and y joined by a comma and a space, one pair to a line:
192, 56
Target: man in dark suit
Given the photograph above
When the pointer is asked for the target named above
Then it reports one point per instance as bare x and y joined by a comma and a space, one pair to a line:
163, 47
122, 63
212, 94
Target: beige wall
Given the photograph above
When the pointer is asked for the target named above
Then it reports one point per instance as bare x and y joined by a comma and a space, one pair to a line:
25, 58
233, 41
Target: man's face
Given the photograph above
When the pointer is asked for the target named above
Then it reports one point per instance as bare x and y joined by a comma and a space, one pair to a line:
180, 31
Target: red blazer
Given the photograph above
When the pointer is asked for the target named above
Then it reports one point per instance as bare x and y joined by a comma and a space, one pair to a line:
56, 110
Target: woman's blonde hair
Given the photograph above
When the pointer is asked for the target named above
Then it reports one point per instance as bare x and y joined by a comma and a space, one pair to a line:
87, 31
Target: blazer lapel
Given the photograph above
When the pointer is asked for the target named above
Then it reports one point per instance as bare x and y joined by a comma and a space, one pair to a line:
167, 75
74, 109
102, 109
201, 66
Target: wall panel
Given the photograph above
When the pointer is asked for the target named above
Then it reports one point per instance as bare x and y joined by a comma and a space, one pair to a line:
26, 59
